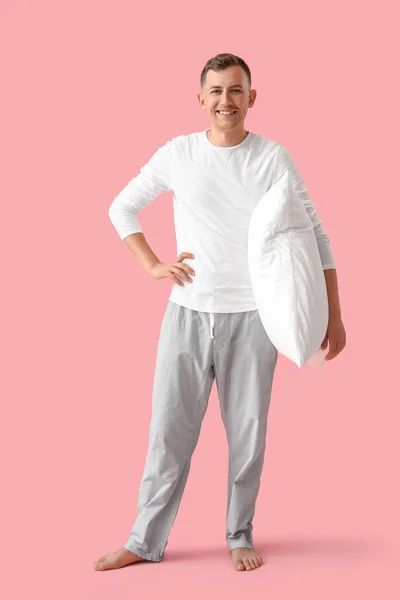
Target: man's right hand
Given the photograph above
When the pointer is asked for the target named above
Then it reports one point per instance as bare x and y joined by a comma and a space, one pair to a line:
172, 269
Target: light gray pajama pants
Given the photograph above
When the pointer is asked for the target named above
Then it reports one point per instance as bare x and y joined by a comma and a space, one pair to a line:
194, 347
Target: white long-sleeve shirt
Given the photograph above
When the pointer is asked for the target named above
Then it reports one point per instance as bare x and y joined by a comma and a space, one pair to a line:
215, 189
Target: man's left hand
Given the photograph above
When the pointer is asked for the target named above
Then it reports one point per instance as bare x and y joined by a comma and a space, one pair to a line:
336, 335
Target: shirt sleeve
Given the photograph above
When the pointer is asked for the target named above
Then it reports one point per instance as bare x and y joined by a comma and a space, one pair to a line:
284, 162
152, 180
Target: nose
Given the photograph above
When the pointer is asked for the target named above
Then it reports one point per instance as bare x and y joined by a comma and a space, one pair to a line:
225, 98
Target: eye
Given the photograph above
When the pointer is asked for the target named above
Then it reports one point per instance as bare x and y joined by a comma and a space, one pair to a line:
216, 91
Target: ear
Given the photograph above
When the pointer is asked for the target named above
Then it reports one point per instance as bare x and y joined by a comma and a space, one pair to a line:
252, 99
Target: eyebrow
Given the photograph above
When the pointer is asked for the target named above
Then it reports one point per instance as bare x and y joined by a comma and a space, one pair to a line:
219, 87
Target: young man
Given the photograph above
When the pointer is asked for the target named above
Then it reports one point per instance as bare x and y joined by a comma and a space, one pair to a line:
211, 327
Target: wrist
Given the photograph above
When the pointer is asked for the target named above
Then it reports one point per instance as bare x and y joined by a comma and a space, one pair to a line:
151, 265
335, 312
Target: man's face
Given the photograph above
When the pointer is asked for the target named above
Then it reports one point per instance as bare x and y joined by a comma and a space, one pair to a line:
227, 91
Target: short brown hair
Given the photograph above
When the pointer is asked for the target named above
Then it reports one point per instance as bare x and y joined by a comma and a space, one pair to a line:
222, 61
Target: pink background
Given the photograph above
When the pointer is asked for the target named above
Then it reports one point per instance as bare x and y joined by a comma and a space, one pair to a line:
89, 91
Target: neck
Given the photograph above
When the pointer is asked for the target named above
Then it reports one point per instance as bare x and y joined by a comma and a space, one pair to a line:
219, 137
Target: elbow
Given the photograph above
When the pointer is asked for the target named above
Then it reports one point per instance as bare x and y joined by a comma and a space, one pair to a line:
111, 208
114, 210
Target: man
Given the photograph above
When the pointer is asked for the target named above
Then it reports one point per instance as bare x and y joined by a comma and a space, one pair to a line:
211, 327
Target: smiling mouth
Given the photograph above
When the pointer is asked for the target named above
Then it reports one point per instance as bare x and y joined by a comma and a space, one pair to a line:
226, 113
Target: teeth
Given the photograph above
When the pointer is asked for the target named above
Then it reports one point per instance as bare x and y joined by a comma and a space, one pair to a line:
225, 113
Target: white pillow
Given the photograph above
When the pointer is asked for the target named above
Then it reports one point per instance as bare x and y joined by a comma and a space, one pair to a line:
286, 273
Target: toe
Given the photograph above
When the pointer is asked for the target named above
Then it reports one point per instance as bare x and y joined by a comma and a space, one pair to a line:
253, 562
240, 566
247, 564
100, 564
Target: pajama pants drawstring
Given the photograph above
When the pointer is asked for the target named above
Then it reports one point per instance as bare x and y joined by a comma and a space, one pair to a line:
212, 320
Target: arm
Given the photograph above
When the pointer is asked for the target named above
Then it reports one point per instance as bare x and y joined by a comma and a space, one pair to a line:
333, 292
335, 334
152, 181
137, 244
284, 162
332, 289
176, 269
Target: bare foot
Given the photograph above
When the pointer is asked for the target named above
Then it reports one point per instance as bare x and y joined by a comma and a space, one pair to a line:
117, 559
245, 559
